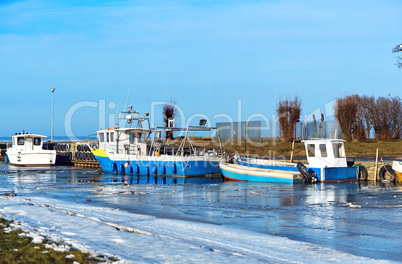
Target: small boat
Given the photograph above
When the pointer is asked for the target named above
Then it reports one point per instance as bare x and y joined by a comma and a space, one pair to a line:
326, 163
397, 167
27, 150
134, 148
237, 172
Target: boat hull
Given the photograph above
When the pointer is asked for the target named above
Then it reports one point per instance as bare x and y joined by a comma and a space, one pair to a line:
244, 173
157, 165
32, 158
329, 174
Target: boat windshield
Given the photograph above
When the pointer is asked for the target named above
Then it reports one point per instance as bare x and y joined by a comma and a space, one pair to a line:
323, 150
101, 137
21, 141
37, 141
141, 137
311, 150
338, 150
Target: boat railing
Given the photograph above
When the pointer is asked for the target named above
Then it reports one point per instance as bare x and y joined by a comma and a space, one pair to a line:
186, 147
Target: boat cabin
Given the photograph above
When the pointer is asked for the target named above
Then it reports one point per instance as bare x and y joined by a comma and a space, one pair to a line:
130, 141
25, 141
323, 153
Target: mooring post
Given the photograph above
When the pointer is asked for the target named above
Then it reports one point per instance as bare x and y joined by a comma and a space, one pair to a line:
291, 153
376, 165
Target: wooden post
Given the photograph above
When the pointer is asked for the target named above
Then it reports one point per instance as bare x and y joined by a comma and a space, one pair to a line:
245, 138
291, 153
376, 165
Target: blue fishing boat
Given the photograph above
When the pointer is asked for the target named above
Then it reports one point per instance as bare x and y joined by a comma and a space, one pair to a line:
137, 149
326, 163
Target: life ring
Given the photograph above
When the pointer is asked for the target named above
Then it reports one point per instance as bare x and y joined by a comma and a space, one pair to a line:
383, 173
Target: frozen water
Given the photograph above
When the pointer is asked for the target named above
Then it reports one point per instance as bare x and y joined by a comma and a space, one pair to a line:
225, 222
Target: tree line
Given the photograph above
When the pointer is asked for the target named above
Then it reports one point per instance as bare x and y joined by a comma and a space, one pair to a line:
359, 115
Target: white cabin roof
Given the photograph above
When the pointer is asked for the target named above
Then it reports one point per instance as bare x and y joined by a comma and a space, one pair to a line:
131, 130
322, 140
30, 135
125, 130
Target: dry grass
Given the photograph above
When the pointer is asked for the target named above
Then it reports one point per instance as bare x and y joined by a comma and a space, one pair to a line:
15, 247
270, 148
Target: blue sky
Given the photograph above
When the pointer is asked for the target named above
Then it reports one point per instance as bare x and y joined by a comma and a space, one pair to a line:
205, 55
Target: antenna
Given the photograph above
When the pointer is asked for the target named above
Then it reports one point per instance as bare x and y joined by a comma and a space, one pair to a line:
128, 92
117, 114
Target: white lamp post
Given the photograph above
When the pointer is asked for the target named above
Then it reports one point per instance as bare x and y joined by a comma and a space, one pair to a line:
52, 110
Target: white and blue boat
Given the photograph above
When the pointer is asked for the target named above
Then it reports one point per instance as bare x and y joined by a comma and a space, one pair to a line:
236, 172
326, 163
136, 150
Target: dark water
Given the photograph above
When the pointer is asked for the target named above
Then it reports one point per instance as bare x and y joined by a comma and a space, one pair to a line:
320, 214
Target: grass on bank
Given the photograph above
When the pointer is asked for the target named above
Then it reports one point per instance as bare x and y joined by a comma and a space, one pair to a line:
278, 148
15, 247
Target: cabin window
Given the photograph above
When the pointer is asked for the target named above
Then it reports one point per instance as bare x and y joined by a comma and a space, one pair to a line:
140, 137
111, 137
101, 137
311, 150
338, 150
131, 137
37, 141
107, 136
20, 141
323, 150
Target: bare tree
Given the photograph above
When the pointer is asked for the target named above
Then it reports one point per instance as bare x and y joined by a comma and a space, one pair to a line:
346, 112
321, 126
288, 115
388, 118
169, 112
396, 117
366, 112
358, 115
359, 123
315, 127
398, 48
381, 119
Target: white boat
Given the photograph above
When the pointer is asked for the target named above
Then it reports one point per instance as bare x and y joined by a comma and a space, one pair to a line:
27, 150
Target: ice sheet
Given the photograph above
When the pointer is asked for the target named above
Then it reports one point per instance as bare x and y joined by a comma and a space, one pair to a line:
137, 238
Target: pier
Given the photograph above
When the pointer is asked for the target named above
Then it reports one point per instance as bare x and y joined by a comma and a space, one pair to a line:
73, 154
